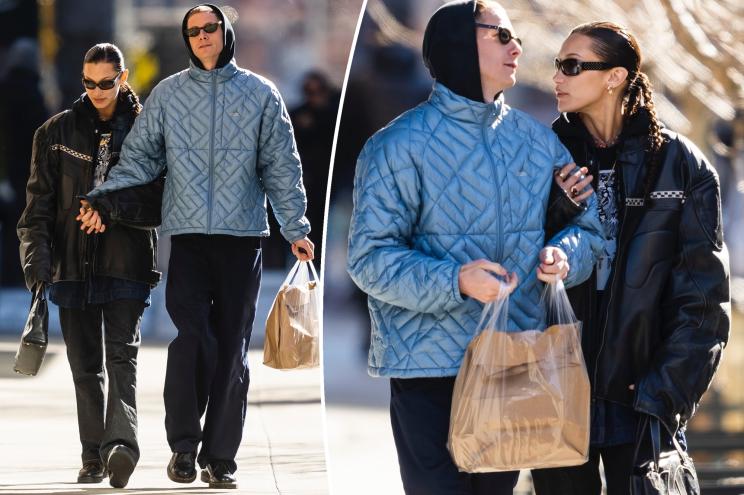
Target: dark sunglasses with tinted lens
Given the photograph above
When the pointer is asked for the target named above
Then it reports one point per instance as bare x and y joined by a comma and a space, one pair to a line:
104, 84
573, 67
208, 28
505, 36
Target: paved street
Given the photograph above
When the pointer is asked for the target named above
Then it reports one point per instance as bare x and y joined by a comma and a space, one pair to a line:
282, 451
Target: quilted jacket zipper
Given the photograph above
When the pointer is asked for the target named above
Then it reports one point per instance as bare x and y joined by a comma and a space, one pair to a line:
500, 243
211, 152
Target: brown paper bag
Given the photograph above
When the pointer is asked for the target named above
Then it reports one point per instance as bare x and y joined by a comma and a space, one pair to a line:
293, 324
541, 415
521, 401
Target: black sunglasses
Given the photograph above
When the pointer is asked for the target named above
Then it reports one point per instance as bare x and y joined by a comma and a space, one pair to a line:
104, 84
505, 36
210, 28
573, 67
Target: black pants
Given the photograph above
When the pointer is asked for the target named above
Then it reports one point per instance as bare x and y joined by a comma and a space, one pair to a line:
420, 413
85, 337
585, 479
213, 283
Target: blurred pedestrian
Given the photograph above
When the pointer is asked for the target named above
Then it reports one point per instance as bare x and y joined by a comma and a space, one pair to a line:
101, 283
22, 111
655, 310
448, 198
225, 137
314, 122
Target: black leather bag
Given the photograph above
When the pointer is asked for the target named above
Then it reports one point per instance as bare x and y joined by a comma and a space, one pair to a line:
35, 336
667, 472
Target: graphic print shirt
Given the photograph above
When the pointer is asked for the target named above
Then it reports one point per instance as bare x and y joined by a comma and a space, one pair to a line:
103, 157
608, 212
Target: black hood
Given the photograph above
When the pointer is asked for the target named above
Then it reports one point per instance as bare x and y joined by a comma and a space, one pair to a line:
450, 50
228, 40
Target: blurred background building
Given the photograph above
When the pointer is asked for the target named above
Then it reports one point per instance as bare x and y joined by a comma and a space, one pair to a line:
301, 45
694, 55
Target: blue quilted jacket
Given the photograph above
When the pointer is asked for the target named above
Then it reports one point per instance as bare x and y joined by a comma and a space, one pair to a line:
226, 139
446, 183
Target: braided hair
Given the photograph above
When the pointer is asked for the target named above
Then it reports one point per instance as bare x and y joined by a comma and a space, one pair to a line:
616, 45
110, 53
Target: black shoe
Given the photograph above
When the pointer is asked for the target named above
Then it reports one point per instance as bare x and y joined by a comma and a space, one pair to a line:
218, 475
182, 467
91, 472
120, 465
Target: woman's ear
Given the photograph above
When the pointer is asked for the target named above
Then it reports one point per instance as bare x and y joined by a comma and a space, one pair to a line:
617, 76
124, 75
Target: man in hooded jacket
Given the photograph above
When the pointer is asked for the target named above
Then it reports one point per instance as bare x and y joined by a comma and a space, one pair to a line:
450, 193
225, 136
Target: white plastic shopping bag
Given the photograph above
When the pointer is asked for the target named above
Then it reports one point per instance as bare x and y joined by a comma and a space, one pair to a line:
293, 324
521, 399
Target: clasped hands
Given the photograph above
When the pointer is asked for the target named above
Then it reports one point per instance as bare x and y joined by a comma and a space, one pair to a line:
477, 278
90, 219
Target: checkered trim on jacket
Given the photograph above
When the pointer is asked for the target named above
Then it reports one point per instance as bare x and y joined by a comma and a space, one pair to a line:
656, 195
72, 152
667, 195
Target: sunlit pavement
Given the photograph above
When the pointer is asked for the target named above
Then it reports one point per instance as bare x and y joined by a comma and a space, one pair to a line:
282, 451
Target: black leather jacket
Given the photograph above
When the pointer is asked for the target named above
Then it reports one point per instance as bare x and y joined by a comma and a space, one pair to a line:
664, 318
53, 248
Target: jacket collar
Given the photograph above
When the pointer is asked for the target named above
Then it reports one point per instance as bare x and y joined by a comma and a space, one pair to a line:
570, 126
222, 73
123, 115
466, 110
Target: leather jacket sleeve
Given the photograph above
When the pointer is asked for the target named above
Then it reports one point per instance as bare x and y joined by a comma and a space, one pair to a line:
561, 210
36, 225
695, 307
137, 206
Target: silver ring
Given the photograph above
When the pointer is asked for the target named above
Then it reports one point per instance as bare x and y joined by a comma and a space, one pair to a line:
582, 177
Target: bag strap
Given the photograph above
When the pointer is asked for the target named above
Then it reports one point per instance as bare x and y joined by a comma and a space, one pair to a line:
294, 271
654, 427
644, 425
682, 453
312, 270
39, 292
655, 431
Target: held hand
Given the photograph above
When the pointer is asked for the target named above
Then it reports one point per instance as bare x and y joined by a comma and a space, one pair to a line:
305, 245
553, 262
577, 185
90, 219
477, 280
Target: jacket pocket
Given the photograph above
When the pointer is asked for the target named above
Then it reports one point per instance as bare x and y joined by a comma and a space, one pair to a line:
649, 254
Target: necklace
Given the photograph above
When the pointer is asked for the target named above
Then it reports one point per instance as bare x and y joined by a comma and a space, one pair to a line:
600, 143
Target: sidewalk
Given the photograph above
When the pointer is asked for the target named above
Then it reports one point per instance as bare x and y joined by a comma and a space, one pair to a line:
282, 451
361, 452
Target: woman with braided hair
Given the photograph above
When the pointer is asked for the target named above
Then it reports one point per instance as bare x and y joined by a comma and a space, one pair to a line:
655, 311
100, 282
